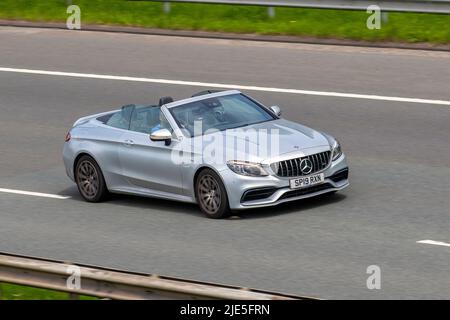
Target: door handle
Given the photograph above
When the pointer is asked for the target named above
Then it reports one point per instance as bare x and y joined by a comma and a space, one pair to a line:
128, 143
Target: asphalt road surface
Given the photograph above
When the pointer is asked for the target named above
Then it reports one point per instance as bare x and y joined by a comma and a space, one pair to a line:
399, 155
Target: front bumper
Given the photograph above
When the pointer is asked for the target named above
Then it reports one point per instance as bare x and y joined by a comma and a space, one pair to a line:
254, 192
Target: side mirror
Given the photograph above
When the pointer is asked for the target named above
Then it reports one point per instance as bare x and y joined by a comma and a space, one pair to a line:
161, 135
276, 110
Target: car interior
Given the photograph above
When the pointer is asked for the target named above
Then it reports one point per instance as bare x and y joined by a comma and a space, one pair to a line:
210, 113
145, 119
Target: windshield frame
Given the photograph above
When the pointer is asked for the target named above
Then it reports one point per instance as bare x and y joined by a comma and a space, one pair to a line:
209, 131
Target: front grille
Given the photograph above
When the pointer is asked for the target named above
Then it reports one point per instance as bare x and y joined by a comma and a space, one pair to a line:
302, 192
292, 167
257, 194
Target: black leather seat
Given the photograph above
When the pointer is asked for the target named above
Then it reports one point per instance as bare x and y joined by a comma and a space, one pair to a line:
165, 100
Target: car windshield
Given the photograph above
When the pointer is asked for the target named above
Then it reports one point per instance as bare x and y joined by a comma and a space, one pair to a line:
219, 113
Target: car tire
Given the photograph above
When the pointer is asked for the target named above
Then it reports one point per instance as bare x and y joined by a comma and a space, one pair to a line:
211, 195
89, 179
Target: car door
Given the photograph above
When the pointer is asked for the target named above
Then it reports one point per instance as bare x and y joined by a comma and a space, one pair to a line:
147, 164
106, 142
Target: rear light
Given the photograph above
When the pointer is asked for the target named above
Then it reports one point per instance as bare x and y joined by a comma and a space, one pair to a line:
68, 136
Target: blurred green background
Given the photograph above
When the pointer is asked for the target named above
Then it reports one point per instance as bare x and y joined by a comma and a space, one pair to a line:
15, 292
338, 24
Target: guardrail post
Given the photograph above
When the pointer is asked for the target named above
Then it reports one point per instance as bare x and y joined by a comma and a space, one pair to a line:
74, 296
166, 7
385, 17
271, 12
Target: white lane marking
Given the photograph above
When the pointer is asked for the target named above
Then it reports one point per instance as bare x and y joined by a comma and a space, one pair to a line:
227, 86
35, 194
436, 243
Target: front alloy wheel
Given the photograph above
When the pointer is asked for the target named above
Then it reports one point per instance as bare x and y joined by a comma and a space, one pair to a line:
211, 195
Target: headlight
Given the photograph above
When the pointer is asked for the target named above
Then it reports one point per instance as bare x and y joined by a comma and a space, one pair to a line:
337, 151
247, 168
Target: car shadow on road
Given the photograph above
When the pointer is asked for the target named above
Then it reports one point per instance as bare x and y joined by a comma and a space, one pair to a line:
192, 209
140, 202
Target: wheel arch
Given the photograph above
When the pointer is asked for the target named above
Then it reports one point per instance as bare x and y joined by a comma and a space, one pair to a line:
197, 173
79, 156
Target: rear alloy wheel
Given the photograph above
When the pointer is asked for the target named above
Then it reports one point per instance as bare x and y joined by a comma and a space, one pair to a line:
211, 195
89, 179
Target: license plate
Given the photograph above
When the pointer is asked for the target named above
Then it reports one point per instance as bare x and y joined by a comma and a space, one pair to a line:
307, 181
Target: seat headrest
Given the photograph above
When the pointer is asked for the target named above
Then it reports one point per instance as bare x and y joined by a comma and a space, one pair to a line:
165, 100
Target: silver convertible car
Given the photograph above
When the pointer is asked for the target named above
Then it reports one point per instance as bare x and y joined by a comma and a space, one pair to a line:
223, 150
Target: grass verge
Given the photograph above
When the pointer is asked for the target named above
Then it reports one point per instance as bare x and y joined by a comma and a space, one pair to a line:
16, 292
338, 24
